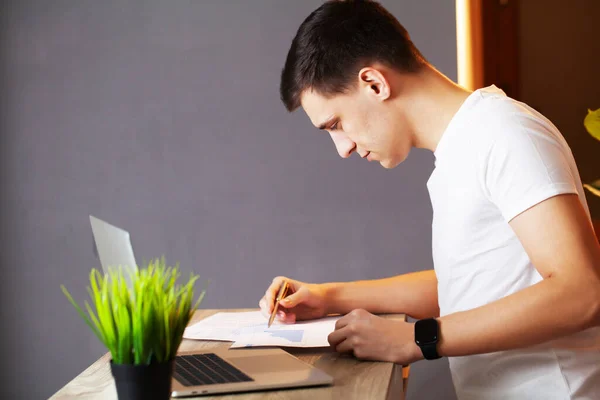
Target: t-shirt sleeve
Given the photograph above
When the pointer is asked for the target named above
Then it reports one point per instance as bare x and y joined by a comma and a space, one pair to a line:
525, 167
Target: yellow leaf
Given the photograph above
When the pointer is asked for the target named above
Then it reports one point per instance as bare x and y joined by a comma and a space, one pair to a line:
592, 123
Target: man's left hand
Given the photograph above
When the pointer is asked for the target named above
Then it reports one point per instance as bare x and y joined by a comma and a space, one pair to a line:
369, 337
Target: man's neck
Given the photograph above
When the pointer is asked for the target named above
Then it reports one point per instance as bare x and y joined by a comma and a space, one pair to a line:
430, 100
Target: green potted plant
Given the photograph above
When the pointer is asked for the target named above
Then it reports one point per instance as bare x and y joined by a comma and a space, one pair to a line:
592, 125
140, 317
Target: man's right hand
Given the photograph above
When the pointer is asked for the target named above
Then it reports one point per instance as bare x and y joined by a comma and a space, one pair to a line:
304, 301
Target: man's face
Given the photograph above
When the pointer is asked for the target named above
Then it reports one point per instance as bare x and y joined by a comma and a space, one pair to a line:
360, 122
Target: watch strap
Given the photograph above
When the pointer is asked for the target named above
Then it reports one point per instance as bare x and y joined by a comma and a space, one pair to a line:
429, 351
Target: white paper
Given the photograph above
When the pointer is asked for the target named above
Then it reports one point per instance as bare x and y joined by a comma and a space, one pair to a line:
249, 329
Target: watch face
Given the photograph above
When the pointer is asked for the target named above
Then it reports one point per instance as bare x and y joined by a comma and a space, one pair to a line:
426, 331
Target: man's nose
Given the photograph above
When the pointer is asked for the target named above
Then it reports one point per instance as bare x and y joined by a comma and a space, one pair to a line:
343, 145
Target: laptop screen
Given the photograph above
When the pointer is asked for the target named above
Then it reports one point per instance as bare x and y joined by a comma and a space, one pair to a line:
114, 246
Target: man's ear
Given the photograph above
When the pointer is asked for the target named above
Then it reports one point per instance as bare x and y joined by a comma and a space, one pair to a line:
374, 83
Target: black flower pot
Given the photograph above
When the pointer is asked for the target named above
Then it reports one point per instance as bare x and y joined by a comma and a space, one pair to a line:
143, 382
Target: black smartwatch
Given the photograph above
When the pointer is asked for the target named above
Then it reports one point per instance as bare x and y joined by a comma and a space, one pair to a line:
426, 337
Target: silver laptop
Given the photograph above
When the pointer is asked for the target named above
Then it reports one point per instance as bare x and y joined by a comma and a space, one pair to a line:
113, 245
212, 371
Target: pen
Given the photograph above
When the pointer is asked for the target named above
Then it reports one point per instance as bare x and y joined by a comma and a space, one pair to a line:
283, 289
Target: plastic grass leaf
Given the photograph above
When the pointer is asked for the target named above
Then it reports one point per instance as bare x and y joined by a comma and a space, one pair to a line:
97, 324
93, 326
139, 316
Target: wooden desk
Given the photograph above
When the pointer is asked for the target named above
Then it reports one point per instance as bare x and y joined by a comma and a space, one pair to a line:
353, 379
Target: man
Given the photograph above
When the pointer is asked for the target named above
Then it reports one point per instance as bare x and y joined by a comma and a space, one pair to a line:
514, 300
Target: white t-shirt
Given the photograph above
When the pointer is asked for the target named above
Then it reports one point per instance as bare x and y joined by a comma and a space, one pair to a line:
497, 158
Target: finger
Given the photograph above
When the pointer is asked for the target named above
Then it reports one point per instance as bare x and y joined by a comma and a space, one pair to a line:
271, 292
345, 347
283, 318
296, 298
286, 317
282, 315
336, 337
264, 308
343, 322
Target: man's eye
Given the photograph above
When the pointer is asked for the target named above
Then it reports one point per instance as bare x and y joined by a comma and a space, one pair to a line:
334, 126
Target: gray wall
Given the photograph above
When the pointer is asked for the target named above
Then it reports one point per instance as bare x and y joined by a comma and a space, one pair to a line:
164, 118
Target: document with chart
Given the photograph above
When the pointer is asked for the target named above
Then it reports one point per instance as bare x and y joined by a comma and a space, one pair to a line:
249, 329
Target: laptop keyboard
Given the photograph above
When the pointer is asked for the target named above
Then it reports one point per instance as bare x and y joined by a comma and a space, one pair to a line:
206, 369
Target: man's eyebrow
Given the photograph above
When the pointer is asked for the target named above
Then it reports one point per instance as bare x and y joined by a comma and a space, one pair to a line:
326, 124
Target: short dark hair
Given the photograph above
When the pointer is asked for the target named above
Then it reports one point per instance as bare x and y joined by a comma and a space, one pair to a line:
339, 38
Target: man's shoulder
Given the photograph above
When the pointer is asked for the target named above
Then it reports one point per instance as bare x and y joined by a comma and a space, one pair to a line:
503, 120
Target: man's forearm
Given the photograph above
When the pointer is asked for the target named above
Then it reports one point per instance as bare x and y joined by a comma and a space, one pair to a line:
542, 312
414, 294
